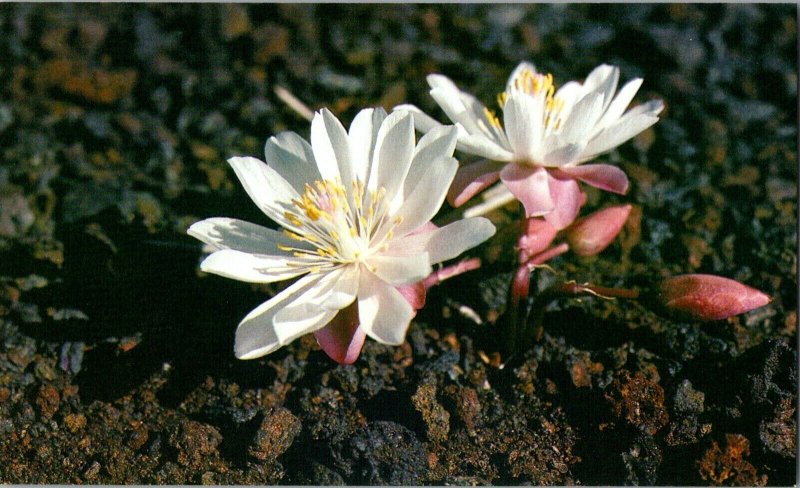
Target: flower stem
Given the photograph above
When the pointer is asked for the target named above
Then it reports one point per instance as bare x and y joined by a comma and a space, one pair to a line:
517, 304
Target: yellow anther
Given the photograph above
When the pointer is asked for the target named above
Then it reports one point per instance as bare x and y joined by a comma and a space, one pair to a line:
491, 117
283, 248
333, 234
398, 220
501, 99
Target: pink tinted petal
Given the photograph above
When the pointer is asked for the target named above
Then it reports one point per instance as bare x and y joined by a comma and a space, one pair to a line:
530, 186
342, 338
414, 294
567, 200
603, 176
709, 297
471, 179
593, 233
536, 236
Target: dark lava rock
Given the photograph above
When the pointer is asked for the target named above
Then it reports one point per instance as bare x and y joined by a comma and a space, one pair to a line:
275, 435
386, 453
642, 460
687, 399
47, 400
640, 401
728, 466
433, 413
194, 442
779, 433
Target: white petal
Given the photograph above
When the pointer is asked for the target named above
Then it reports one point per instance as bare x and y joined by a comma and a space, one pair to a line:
401, 270
331, 148
618, 133
522, 115
523, 66
582, 118
255, 335
445, 242
362, 135
479, 145
292, 157
422, 121
603, 80
436, 80
569, 93
385, 315
252, 268
226, 233
453, 106
266, 187
394, 150
331, 292
427, 196
563, 155
620, 103
437, 144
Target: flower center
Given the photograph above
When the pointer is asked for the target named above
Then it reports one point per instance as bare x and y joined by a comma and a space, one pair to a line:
535, 85
337, 227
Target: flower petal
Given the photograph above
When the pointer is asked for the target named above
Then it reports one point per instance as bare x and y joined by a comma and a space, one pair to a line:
342, 339
522, 115
480, 145
331, 147
439, 143
394, 149
530, 186
362, 136
603, 176
292, 157
567, 201
422, 121
582, 118
255, 335
226, 233
603, 80
401, 270
427, 196
414, 294
323, 299
614, 135
523, 66
445, 242
251, 268
385, 315
562, 155
265, 186
569, 93
471, 179
453, 106
620, 103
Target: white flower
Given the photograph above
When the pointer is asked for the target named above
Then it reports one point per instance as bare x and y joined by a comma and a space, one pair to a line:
355, 208
547, 135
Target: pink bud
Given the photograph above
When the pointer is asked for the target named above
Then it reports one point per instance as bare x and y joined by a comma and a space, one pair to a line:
593, 233
708, 297
537, 234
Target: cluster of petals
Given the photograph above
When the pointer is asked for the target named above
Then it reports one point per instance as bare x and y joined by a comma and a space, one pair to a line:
546, 134
355, 208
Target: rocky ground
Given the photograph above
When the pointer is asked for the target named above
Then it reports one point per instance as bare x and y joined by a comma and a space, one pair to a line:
116, 361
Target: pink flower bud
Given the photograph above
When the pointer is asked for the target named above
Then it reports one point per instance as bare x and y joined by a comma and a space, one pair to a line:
593, 233
537, 234
708, 297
